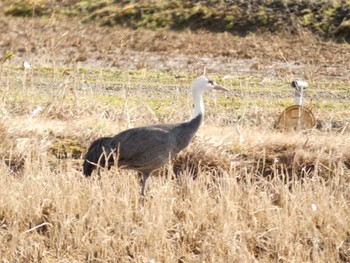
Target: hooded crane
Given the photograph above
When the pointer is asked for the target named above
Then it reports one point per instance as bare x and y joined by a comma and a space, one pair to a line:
147, 148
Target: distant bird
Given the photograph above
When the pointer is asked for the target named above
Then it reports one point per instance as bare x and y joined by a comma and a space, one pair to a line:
26, 65
147, 148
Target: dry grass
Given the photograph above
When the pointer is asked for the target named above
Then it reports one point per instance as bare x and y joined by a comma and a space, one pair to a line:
244, 192
258, 194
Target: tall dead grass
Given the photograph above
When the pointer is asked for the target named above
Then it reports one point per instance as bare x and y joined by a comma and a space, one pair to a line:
239, 207
54, 215
243, 193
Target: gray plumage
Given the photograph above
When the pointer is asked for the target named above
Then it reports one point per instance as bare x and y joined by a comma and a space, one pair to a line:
145, 149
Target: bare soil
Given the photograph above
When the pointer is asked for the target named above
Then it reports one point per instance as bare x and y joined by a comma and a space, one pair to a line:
64, 42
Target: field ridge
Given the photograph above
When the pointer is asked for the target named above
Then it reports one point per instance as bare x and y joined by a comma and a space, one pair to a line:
328, 19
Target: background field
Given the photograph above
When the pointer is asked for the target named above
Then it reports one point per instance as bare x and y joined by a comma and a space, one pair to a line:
246, 192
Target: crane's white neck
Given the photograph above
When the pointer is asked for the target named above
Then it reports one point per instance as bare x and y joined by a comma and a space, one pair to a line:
198, 104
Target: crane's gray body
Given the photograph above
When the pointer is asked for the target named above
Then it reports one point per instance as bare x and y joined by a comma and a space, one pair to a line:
143, 149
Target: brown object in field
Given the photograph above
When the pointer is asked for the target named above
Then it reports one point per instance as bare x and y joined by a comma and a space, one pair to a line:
296, 117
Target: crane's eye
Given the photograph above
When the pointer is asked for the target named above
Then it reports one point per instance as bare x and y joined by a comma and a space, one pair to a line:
211, 82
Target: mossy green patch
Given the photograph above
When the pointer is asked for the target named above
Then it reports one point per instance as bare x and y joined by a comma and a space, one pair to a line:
66, 148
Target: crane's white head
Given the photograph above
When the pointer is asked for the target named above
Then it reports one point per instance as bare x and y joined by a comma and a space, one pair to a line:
202, 84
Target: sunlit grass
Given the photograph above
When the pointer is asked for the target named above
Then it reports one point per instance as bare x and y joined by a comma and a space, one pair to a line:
259, 194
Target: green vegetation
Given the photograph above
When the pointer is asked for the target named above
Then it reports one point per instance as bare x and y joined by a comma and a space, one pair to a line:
7, 56
329, 19
162, 95
67, 148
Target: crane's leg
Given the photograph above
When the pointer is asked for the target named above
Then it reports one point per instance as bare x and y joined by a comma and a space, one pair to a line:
145, 175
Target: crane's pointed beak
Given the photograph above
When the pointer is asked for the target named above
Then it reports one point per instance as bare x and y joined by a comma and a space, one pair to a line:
219, 87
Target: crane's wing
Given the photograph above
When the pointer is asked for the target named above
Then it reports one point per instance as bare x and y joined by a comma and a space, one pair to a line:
144, 148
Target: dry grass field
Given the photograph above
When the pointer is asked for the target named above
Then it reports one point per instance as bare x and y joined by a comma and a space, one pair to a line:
246, 192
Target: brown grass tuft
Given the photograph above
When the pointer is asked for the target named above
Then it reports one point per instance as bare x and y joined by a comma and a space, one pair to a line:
201, 157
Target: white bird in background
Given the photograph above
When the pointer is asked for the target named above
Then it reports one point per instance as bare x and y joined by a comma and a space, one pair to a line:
26, 65
147, 148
